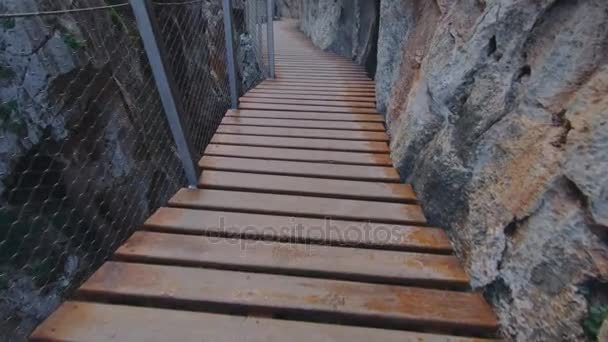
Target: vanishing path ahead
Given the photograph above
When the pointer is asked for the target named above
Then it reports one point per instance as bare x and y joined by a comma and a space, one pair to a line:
299, 231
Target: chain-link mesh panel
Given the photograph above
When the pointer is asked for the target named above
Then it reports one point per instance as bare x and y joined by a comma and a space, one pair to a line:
253, 37
86, 153
193, 36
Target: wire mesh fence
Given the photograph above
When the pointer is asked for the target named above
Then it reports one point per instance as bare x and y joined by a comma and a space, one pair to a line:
86, 154
255, 22
251, 26
193, 36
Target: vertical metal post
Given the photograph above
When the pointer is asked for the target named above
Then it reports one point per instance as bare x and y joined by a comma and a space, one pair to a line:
258, 32
230, 61
148, 31
270, 37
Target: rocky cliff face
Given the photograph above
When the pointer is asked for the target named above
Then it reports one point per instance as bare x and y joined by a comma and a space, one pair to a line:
348, 28
498, 115
289, 8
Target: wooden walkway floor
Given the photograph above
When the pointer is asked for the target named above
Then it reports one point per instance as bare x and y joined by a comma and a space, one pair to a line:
300, 231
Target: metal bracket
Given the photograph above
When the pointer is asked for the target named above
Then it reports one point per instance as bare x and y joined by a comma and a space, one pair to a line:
148, 31
230, 56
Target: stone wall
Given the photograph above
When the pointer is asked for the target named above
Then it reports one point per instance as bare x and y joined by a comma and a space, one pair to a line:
498, 116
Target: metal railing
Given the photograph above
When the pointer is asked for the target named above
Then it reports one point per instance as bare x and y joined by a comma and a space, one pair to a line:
105, 109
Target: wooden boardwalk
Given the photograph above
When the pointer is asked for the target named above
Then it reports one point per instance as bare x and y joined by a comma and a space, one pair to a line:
299, 231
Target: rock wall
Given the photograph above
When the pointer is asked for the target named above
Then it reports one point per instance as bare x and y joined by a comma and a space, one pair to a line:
348, 28
498, 115
289, 8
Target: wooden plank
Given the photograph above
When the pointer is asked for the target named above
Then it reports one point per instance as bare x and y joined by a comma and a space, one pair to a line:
307, 58
330, 70
325, 84
365, 93
322, 71
306, 61
276, 114
303, 132
300, 230
302, 143
312, 59
357, 126
338, 157
309, 108
279, 95
320, 77
336, 80
318, 69
369, 85
309, 55
309, 61
317, 64
367, 265
286, 65
320, 74
301, 297
306, 54
305, 206
96, 322
316, 87
292, 185
308, 102
304, 169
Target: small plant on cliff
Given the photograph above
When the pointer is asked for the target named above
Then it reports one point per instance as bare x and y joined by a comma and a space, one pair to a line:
116, 19
16, 127
596, 316
8, 23
4, 282
6, 73
6, 109
70, 40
